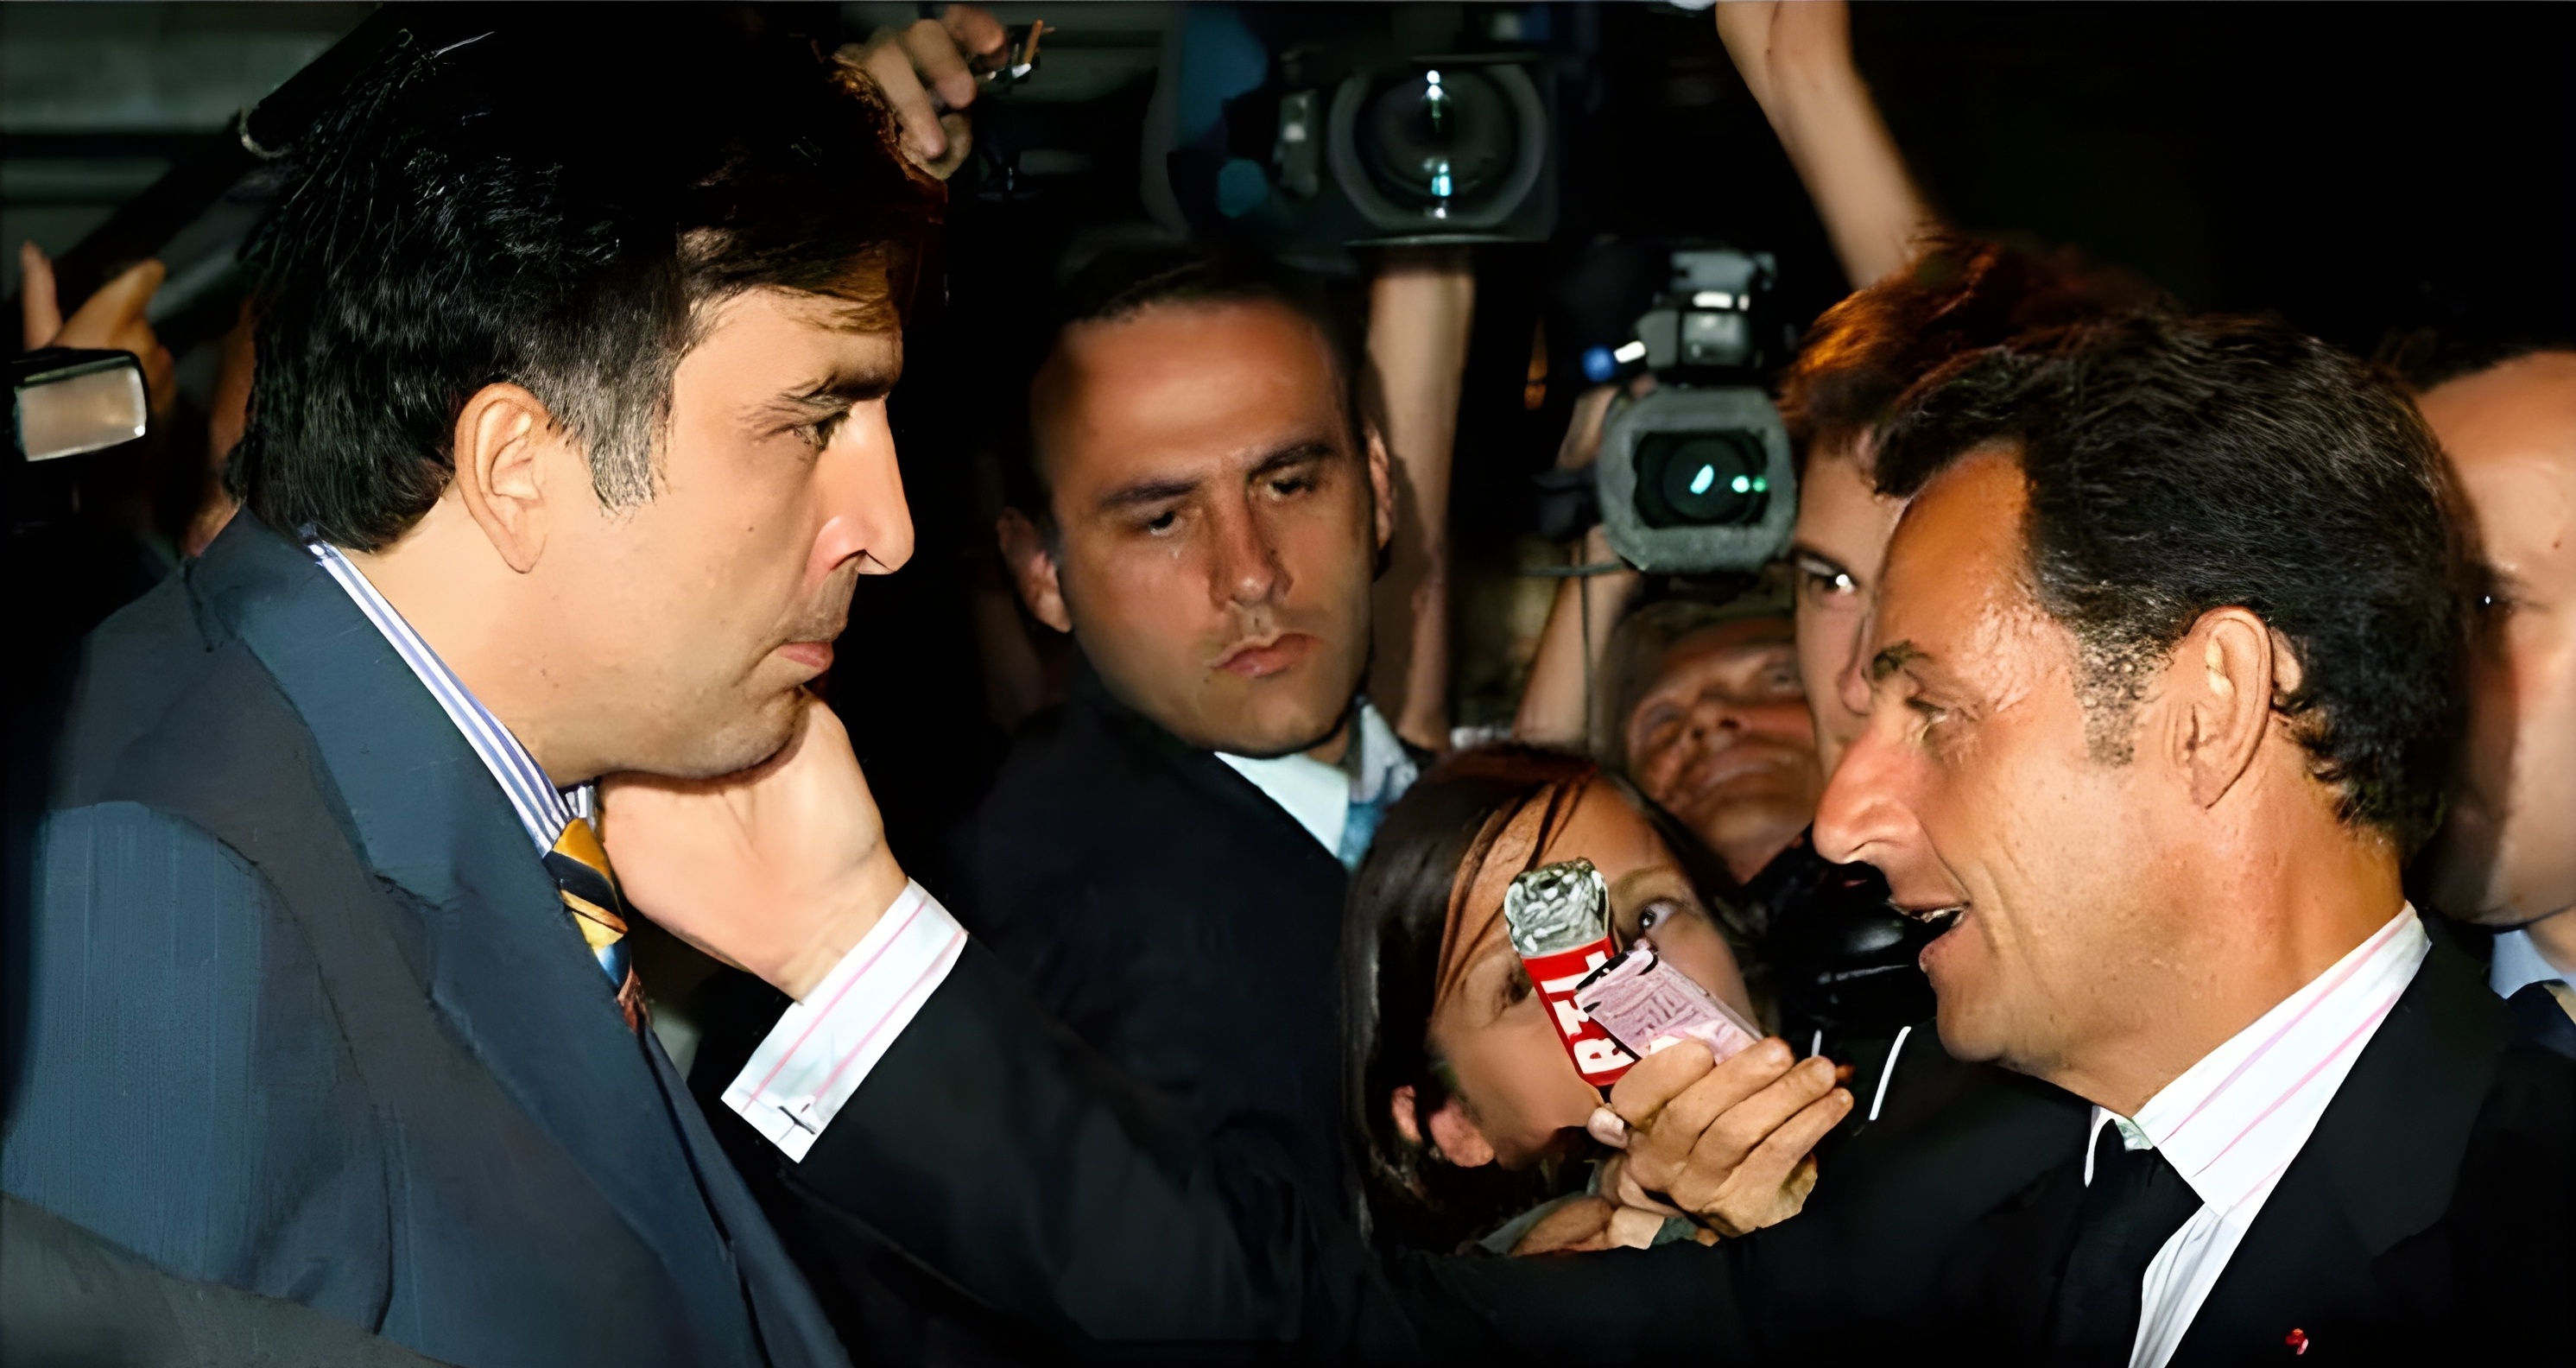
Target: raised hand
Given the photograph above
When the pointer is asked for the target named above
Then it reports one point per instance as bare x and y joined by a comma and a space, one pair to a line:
1725, 1143
112, 319
926, 70
778, 870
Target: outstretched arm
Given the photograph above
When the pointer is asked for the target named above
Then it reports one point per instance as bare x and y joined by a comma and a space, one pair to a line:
1796, 56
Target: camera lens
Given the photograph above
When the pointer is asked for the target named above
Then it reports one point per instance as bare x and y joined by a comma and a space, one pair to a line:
1702, 479
1436, 137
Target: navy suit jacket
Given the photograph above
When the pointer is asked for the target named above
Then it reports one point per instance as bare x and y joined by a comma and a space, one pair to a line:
308, 1019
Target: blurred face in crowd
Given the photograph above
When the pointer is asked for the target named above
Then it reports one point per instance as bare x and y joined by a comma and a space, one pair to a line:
1837, 548
674, 635
1974, 789
2506, 856
1515, 1089
1724, 741
1217, 523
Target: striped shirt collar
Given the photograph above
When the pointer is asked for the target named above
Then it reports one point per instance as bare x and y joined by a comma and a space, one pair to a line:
2231, 1123
543, 809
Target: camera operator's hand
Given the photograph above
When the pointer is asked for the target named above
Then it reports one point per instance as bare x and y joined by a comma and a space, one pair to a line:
1796, 58
926, 70
778, 870
112, 319
1726, 1143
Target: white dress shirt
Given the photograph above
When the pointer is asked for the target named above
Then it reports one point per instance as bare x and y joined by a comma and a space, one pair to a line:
2518, 964
2233, 1122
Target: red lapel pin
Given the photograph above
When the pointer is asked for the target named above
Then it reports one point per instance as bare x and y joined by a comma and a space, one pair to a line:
2298, 1342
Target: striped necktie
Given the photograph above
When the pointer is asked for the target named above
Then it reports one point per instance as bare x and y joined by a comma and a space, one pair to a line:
580, 866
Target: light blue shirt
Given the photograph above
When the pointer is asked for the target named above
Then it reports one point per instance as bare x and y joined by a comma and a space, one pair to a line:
1338, 804
2517, 964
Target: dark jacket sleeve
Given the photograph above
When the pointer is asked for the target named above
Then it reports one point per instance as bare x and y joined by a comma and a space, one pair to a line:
995, 1149
185, 1092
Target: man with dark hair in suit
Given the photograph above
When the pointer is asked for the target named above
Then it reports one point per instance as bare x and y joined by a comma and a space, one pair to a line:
1164, 859
568, 442
2149, 758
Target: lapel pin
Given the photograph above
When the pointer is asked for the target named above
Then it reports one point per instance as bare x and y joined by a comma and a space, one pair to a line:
2297, 1340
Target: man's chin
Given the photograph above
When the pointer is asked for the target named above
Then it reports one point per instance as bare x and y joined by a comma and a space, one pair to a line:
714, 752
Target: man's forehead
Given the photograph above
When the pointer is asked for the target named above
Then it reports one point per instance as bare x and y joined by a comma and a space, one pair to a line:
1190, 383
1955, 566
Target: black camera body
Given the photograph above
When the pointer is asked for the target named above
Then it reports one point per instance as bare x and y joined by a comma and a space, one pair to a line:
1309, 133
1696, 476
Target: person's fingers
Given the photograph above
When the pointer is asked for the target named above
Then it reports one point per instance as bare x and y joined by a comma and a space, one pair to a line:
961, 141
1771, 1182
1677, 1125
1742, 1127
40, 317
939, 64
884, 60
1632, 1228
974, 29
1657, 1079
109, 317
1607, 1127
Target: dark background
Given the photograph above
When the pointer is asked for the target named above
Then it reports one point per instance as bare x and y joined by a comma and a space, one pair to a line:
2322, 161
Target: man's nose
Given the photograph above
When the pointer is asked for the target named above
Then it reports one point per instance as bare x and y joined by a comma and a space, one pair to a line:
1716, 717
1862, 815
865, 515
1247, 569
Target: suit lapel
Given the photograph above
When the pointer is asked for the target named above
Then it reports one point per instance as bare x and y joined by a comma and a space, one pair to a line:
504, 965
2380, 1167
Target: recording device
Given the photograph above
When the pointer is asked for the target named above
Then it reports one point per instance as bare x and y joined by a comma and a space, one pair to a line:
1559, 919
1696, 476
1648, 1005
63, 403
1330, 130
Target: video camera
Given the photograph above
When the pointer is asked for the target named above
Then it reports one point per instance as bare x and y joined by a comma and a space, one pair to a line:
1696, 476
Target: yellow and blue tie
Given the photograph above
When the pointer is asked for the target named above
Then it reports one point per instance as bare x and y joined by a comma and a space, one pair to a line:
580, 866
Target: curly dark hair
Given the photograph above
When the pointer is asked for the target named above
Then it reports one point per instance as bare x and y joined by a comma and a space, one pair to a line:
500, 209
2179, 465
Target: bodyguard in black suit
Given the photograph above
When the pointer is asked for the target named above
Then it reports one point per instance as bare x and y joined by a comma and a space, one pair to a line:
1169, 913
2266, 1118
567, 442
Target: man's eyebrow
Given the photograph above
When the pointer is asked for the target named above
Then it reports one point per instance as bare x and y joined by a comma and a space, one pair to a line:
1295, 453
1800, 551
1147, 491
838, 389
1893, 659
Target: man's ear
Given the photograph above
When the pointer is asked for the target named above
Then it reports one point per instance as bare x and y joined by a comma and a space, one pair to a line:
1032, 568
2219, 689
507, 446
1381, 475
1453, 1132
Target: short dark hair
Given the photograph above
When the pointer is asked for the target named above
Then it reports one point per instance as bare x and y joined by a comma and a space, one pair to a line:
2175, 466
554, 210
1959, 294
1124, 282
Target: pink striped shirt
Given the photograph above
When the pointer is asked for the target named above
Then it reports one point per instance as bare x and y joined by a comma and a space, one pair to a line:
2233, 1122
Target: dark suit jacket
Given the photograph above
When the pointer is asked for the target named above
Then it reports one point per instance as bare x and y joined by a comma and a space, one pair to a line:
1169, 913
2430, 1209
308, 1018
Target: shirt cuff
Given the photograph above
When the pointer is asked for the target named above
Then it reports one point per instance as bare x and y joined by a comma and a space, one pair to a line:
819, 1053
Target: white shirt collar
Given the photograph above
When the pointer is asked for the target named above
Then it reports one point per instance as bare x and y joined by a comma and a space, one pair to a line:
1376, 768
543, 809
2232, 1122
